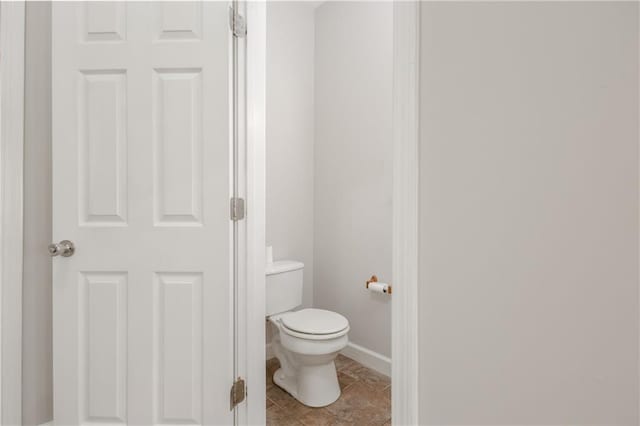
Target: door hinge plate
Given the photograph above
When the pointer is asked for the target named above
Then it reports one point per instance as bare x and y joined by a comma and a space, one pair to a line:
237, 209
238, 392
237, 23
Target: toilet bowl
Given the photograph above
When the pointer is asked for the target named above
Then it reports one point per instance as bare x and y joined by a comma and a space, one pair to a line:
306, 343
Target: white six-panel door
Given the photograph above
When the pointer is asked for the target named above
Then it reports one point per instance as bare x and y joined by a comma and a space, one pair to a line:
142, 310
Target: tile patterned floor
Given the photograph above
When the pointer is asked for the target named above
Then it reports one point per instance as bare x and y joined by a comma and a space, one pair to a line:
365, 399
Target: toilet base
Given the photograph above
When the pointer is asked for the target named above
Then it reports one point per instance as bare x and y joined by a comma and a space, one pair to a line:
307, 370
313, 385
287, 383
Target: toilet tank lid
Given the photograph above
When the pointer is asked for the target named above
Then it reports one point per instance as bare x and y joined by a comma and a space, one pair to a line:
281, 266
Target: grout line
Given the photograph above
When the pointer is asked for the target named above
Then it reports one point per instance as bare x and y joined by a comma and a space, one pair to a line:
348, 386
273, 402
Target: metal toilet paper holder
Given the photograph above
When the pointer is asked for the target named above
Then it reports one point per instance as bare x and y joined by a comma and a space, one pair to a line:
374, 279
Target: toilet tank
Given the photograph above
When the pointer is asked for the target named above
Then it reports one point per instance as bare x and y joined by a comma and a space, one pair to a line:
284, 286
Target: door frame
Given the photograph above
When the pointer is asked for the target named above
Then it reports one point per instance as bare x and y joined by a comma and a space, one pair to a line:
404, 322
12, 38
253, 321
404, 361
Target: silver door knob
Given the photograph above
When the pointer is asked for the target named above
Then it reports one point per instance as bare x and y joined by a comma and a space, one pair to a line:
64, 248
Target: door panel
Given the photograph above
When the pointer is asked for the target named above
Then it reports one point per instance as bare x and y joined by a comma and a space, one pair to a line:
178, 147
103, 340
143, 330
102, 148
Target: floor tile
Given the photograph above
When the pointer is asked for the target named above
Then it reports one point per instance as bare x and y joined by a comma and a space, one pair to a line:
283, 400
345, 380
366, 375
318, 417
354, 397
277, 416
365, 399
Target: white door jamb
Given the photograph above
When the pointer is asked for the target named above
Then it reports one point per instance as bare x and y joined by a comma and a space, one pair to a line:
12, 28
404, 323
255, 173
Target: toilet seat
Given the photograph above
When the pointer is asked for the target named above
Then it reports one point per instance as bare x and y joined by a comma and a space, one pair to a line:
314, 324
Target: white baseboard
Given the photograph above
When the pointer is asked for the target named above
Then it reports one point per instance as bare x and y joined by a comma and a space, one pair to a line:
368, 358
364, 356
46, 424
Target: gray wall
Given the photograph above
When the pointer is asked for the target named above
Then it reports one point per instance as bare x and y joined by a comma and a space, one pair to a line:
289, 222
529, 213
353, 165
37, 361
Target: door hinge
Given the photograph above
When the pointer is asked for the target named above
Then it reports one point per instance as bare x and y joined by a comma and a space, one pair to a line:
238, 392
237, 23
237, 209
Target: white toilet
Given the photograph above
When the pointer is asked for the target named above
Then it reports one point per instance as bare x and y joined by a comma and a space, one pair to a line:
305, 342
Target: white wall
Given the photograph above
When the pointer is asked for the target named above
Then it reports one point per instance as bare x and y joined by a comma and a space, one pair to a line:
36, 356
289, 223
529, 213
353, 160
